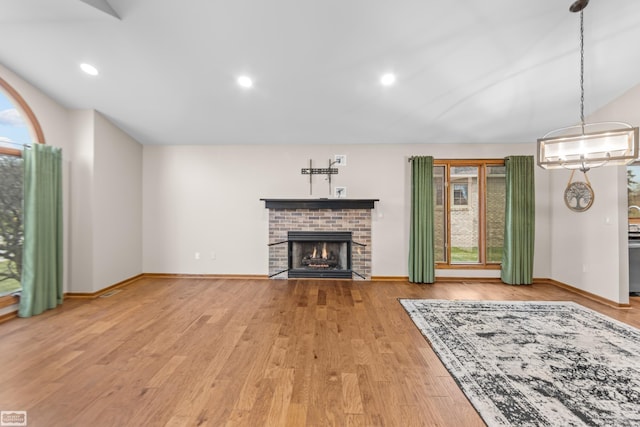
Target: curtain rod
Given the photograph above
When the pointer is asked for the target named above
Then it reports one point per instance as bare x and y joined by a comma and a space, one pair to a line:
412, 157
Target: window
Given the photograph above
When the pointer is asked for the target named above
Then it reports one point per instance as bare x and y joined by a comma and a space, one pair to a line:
16, 126
633, 195
460, 194
11, 231
469, 219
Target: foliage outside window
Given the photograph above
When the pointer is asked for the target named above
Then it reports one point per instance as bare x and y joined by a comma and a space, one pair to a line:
13, 134
11, 230
633, 193
469, 218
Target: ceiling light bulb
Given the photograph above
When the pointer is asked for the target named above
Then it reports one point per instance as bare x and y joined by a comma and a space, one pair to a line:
89, 69
388, 79
245, 81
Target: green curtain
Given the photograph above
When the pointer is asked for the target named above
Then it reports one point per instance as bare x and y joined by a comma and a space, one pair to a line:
42, 248
421, 240
519, 222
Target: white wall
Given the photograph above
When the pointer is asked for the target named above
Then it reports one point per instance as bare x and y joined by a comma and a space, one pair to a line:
54, 121
106, 203
589, 249
117, 205
103, 204
188, 194
586, 248
81, 152
206, 199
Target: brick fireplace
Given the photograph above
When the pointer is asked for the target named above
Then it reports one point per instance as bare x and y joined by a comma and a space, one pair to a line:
325, 215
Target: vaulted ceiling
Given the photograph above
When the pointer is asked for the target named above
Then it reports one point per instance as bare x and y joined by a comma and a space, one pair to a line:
467, 71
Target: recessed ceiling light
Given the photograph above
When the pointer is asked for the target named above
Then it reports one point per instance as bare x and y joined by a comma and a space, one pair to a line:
388, 79
89, 69
245, 81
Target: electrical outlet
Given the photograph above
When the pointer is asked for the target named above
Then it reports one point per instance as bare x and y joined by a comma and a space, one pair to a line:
197, 255
213, 255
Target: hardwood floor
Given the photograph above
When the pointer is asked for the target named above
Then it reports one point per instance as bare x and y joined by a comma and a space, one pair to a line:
187, 352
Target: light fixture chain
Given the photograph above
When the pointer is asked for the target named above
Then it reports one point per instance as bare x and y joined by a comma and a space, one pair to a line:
614, 143
582, 70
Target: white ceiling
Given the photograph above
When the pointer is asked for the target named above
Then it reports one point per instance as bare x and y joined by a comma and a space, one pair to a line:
468, 71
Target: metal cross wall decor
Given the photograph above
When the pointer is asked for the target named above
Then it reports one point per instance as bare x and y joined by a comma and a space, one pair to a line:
319, 171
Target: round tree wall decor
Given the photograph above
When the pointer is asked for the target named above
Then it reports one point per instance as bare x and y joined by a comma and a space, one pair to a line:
578, 196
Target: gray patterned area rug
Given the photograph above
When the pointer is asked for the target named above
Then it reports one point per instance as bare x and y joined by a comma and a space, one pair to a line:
536, 363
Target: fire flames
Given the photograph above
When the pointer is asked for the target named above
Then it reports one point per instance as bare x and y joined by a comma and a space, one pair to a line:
321, 257
314, 255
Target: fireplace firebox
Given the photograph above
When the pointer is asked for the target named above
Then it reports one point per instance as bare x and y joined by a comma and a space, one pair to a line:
322, 254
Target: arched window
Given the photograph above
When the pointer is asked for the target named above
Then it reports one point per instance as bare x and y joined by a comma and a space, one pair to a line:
18, 124
18, 127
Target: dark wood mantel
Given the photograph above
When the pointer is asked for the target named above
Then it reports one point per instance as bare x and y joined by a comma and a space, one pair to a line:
320, 203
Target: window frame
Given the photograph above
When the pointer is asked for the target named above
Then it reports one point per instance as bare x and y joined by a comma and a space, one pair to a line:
633, 221
31, 120
37, 138
461, 201
482, 165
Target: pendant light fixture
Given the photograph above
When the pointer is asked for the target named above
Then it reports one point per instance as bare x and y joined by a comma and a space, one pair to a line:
587, 145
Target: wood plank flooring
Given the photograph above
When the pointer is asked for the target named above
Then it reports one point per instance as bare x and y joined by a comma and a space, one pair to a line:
218, 352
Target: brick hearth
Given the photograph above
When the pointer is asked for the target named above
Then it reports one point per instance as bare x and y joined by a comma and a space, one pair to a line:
358, 221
